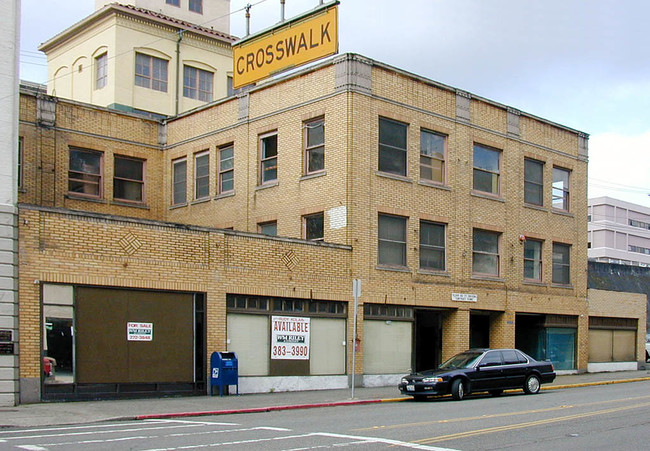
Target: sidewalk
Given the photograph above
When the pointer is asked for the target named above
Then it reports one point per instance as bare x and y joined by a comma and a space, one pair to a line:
46, 414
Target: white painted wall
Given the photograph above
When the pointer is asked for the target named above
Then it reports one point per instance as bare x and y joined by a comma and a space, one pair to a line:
9, 55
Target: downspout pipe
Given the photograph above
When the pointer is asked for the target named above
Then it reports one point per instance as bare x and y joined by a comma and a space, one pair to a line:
178, 69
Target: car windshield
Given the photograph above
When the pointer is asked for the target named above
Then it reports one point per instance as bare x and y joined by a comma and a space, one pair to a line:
463, 360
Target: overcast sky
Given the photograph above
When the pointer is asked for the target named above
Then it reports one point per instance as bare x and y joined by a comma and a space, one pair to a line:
582, 63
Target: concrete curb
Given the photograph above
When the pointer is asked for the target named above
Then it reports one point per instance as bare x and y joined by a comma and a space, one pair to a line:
345, 403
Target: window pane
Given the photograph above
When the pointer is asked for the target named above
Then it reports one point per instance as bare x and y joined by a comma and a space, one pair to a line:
392, 240
269, 170
432, 234
269, 228
485, 264
392, 133
128, 169
486, 159
315, 133
533, 171
431, 258
127, 190
202, 176
392, 147
486, 241
560, 190
270, 146
314, 229
561, 263
533, 194
316, 159
486, 181
432, 145
180, 182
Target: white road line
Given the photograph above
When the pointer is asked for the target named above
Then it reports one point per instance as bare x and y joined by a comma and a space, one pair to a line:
71, 428
383, 440
32, 448
116, 431
208, 423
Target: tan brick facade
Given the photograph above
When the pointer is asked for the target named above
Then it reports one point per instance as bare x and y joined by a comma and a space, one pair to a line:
76, 248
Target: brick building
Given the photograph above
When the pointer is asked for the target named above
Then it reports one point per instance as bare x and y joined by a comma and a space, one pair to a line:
465, 220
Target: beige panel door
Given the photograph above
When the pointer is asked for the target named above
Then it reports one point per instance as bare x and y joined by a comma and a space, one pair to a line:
249, 338
387, 346
327, 349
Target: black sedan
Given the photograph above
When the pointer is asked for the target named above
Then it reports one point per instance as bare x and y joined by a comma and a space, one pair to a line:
480, 370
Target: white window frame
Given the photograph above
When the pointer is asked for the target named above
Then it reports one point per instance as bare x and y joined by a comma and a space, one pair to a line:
202, 180
177, 183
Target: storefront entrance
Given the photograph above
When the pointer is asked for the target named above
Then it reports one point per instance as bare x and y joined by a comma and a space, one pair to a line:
551, 337
428, 339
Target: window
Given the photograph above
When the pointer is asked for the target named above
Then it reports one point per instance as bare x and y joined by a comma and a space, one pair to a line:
392, 147
533, 260
196, 6
313, 227
485, 255
268, 158
432, 156
179, 168
392, 240
486, 169
533, 182
128, 181
226, 180
202, 175
85, 173
101, 74
561, 189
638, 249
197, 84
150, 72
636, 223
173, 2
432, 246
561, 263
230, 91
21, 157
314, 145
268, 228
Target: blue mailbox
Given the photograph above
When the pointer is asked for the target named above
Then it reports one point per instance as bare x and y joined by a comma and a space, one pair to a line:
225, 371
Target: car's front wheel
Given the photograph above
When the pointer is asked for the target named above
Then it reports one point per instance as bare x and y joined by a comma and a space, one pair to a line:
531, 386
457, 390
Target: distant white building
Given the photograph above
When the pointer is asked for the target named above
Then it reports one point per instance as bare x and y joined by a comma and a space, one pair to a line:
619, 232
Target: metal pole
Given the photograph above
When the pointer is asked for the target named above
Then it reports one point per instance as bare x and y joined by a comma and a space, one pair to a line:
282, 10
248, 19
356, 290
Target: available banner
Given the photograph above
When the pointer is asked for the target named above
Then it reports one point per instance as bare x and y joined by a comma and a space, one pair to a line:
289, 338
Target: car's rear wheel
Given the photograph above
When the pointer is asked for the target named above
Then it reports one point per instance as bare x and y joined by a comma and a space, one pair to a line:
531, 386
496, 392
457, 389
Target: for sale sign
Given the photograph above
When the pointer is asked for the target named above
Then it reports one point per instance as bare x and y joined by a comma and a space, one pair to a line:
289, 338
139, 331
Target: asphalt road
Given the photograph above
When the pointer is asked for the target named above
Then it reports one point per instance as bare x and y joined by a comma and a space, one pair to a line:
609, 417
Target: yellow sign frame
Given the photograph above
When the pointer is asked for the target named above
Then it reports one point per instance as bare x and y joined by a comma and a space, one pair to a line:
287, 46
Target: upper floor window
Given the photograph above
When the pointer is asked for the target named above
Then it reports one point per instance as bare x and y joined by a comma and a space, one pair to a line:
85, 172
314, 145
128, 180
202, 175
432, 156
269, 228
21, 158
268, 158
196, 6
485, 252
179, 188
486, 169
533, 182
173, 2
313, 227
533, 260
637, 223
561, 263
392, 240
392, 146
561, 188
150, 72
432, 246
101, 70
226, 169
197, 84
